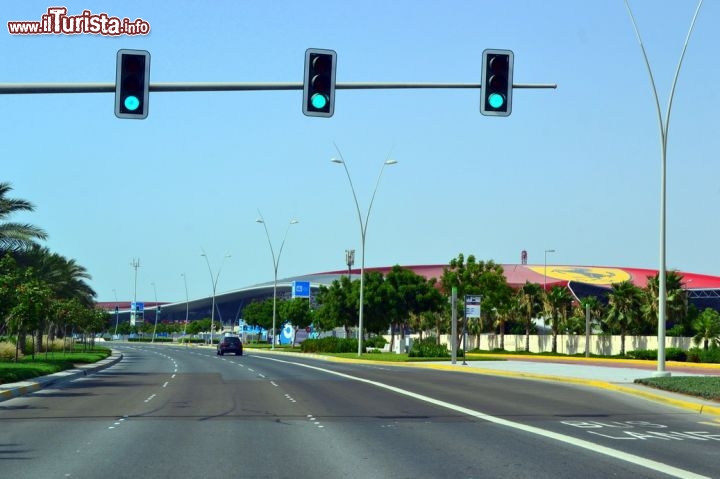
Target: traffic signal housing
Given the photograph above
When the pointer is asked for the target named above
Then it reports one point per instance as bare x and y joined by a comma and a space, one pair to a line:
497, 82
319, 82
132, 84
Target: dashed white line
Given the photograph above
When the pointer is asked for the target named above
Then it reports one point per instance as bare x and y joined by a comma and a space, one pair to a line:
165, 385
150, 398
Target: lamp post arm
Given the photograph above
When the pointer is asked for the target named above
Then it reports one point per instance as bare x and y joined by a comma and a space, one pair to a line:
212, 278
352, 188
677, 71
272, 250
282, 245
372, 198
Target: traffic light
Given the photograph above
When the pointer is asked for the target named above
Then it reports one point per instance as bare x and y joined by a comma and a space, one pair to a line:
319, 82
497, 82
132, 84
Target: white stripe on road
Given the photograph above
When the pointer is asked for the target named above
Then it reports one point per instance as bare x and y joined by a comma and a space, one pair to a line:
614, 453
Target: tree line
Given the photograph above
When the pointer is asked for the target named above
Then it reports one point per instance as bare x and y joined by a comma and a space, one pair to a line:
403, 301
41, 293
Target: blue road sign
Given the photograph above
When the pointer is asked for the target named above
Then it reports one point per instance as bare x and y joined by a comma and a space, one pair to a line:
301, 289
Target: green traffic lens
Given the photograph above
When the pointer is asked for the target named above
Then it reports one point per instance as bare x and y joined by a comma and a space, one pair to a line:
319, 101
132, 103
496, 100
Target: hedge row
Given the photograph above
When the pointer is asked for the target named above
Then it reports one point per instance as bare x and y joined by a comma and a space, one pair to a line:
694, 355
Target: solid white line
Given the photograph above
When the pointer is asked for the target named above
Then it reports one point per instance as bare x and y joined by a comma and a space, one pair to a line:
614, 453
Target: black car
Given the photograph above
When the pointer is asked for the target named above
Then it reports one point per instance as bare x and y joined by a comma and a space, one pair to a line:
230, 344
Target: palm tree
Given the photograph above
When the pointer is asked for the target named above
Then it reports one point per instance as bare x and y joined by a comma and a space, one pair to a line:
624, 313
677, 301
707, 328
65, 278
558, 303
16, 236
531, 304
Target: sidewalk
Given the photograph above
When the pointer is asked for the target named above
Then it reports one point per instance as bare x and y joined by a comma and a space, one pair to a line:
11, 390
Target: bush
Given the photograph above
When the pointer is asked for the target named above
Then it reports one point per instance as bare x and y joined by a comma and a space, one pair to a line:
698, 355
428, 348
671, 354
7, 351
331, 344
375, 342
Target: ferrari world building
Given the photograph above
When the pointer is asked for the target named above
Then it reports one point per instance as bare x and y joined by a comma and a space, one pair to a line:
582, 281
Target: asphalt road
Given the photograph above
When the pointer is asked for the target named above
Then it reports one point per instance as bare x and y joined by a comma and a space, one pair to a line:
185, 412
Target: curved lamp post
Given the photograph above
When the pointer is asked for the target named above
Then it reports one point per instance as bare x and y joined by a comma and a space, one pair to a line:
117, 314
213, 281
187, 308
276, 264
363, 234
664, 126
157, 312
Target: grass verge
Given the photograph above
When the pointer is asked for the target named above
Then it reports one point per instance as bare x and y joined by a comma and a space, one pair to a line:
27, 368
706, 387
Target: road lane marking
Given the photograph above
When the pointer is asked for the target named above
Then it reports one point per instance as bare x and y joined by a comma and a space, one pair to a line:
590, 446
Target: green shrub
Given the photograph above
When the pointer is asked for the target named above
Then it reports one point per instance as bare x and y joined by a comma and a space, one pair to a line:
671, 354
375, 342
7, 351
699, 355
331, 344
428, 348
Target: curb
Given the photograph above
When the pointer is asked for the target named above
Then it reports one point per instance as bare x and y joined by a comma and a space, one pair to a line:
13, 390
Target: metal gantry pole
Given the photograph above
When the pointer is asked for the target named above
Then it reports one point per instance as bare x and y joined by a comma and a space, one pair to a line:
44, 88
664, 126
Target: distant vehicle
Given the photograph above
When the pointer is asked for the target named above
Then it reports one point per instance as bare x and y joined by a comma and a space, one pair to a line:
230, 344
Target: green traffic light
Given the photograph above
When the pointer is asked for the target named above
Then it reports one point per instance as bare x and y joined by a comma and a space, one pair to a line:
318, 101
496, 100
132, 103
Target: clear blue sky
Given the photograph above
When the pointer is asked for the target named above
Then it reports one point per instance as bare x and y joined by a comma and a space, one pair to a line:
575, 169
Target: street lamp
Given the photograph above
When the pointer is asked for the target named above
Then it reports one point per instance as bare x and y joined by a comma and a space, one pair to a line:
117, 314
157, 312
363, 231
276, 263
664, 126
213, 281
545, 273
187, 309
